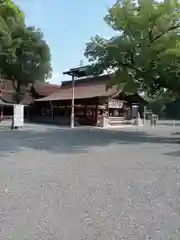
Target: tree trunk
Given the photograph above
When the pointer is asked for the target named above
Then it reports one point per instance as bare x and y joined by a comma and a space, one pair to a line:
18, 92
17, 99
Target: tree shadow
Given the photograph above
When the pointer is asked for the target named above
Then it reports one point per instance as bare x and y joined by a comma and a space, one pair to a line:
173, 123
74, 141
176, 133
174, 154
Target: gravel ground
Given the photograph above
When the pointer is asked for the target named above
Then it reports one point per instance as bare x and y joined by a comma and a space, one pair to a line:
89, 184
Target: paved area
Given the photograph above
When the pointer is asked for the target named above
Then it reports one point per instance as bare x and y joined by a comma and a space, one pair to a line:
90, 184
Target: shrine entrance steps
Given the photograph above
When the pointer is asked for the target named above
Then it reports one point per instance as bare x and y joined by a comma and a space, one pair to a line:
118, 121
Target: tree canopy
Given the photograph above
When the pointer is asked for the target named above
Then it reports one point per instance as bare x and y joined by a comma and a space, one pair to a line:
144, 54
11, 18
24, 54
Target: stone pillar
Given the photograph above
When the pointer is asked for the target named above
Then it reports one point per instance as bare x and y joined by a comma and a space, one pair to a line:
134, 115
104, 120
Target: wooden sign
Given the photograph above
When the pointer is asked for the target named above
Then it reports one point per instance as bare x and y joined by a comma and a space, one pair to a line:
113, 103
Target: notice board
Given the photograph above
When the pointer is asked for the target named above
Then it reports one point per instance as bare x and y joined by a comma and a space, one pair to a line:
18, 116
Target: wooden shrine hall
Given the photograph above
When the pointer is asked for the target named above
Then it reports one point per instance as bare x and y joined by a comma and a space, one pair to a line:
91, 102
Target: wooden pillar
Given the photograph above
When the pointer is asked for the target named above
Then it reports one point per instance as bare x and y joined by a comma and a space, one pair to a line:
85, 110
72, 103
28, 112
2, 113
96, 112
52, 110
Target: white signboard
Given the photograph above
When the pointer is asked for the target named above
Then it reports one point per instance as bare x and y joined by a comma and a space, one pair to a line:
113, 103
18, 115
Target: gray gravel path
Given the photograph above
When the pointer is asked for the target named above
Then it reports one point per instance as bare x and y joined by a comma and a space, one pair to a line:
90, 184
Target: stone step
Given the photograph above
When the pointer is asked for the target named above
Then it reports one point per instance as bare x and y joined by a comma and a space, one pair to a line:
114, 119
127, 122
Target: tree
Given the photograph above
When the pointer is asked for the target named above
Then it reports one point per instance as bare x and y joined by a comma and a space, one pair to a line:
158, 102
10, 18
25, 56
144, 54
31, 61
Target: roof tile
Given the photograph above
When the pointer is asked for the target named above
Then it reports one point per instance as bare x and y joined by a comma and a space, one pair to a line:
82, 90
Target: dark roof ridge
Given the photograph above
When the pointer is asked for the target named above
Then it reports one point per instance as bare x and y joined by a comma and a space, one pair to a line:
88, 79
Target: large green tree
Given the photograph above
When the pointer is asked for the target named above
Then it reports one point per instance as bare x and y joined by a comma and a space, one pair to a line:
144, 54
31, 61
11, 17
24, 55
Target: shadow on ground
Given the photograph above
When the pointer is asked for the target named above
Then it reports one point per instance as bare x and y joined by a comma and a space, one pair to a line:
168, 124
176, 133
73, 141
174, 154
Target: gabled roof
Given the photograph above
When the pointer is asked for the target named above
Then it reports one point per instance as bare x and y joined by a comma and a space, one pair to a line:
89, 88
42, 89
88, 80
45, 89
78, 71
3, 103
8, 98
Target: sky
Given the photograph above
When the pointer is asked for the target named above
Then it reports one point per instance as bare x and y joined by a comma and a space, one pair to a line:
67, 27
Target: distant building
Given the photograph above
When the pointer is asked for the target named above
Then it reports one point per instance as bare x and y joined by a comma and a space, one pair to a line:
34, 92
92, 99
49, 103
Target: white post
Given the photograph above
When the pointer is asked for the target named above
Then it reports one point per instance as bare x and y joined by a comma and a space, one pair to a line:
72, 103
134, 114
174, 123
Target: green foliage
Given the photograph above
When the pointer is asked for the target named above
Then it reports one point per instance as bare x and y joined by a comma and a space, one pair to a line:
11, 17
11, 13
158, 102
144, 54
172, 109
24, 55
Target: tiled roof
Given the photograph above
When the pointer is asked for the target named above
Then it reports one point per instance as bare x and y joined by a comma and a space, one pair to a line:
42, 89
6, 85
45, 89
3, 103
88, 80
8, 98
90, 89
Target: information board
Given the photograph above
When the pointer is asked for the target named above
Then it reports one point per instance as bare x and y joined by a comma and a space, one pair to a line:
113, 103
18, 116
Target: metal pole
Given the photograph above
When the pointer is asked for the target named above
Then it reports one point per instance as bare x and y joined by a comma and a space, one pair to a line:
72, 103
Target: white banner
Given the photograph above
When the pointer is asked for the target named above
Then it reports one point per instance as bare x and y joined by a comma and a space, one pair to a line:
18, 116
113, 103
